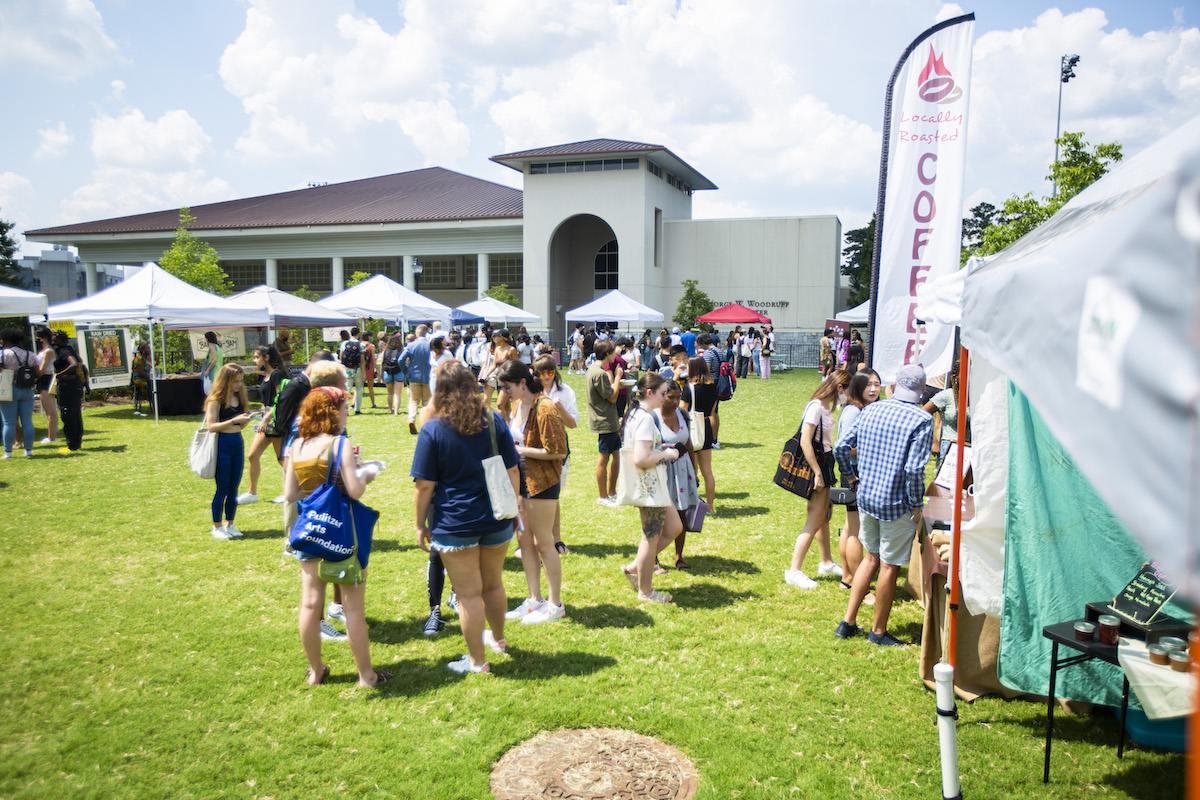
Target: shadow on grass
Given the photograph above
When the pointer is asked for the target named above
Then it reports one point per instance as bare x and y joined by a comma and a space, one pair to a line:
409, 628
733, 512
608, 615
706, 595
265, 533
739, 445
112, 448
716, 565
391, 546
1147, 780
528, 665
732, 495
909, 632
600, 550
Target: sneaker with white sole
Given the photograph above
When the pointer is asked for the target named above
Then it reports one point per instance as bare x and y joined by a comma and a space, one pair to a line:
48, 440
232, 532
465, 665
335, 612
547, 613
607, 501
797, 578
528, 606
452, 601
834, 568
490, 641
330, 633
435, 623
219, 533
245, 499
279, 500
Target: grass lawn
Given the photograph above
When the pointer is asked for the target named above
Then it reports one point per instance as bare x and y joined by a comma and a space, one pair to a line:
149, 660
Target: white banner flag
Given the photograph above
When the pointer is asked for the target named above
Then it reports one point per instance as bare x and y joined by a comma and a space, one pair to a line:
921, 207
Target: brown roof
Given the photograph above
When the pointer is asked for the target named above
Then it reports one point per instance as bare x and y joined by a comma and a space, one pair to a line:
423, 195
592, 147
609, 147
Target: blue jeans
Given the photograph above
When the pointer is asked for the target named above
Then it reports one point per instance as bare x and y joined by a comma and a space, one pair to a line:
19, 408
230, 462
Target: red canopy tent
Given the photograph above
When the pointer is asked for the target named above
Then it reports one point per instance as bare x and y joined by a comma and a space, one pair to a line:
733, 313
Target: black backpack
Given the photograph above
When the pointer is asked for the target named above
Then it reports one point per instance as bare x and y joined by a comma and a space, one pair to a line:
391, 361
726, 381
352, 354
24, 376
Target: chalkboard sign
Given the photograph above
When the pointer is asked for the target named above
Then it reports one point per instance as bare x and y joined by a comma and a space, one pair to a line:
1142, 600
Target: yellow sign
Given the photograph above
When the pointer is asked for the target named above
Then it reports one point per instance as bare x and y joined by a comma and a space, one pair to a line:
65, 325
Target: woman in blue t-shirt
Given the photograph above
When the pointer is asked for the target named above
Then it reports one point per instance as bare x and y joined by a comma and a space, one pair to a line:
454, 510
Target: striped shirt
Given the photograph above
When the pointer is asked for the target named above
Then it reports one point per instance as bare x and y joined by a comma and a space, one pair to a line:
893, 440
712, 357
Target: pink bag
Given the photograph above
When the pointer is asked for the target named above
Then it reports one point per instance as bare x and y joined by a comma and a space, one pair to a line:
695, 517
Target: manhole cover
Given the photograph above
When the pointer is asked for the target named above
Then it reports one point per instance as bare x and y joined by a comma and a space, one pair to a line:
593, 763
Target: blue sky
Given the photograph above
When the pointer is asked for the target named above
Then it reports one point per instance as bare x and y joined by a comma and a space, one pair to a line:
126, 106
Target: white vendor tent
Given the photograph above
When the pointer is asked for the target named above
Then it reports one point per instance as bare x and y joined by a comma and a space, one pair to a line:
494, 310
857, 314
616, 307
20, 303
288, 311
154, 295
380, 297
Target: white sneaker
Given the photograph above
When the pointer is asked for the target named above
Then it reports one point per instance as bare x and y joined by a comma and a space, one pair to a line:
490, 641
330, 633
232, 532
833, 569
335, 612
245, 499
48, 440
797, 578
219, 533
547, 613
528, 606
465, 665
279, 500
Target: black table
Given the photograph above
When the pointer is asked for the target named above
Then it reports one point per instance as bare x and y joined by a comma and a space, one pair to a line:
179, 397
1064, 633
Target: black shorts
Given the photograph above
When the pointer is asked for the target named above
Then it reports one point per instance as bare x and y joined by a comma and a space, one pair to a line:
608, 442
550, 494
43, 383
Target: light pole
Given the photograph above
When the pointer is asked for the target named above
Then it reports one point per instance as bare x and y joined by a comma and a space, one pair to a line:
418, 268
1067, 72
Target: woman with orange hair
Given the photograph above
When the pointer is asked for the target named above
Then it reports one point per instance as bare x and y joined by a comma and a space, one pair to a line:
323, 417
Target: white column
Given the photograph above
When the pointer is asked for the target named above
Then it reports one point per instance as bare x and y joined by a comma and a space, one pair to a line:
409, 278
272, 277
90, 277
338, 274
484, 272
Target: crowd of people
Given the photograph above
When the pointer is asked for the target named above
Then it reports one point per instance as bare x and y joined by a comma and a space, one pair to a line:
54, 374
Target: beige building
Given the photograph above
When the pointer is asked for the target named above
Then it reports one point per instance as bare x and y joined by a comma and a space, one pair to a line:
593, 216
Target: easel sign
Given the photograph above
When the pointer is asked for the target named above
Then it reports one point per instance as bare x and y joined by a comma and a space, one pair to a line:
947, 469
1142, 600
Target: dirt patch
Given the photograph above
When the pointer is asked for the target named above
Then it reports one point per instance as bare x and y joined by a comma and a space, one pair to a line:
591, 764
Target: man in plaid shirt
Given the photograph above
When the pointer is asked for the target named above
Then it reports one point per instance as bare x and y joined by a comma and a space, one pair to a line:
893, 438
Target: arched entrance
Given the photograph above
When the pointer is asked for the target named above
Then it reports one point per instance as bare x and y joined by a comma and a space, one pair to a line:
582, 266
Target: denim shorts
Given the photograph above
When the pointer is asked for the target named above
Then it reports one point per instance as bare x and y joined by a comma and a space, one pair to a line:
390, 378
446, 542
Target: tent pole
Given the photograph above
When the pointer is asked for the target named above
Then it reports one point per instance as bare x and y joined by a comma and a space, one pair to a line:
959, 475
153, 379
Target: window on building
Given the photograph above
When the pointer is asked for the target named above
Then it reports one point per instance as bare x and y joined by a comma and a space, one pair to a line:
316, 275
507, 270
374, 266
439, 273
245, 274
606, 267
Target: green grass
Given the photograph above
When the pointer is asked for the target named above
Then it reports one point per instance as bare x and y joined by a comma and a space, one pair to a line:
146, 659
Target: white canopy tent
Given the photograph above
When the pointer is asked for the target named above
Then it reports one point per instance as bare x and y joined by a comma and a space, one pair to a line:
616, 307
494, 310
288, 311
857, 314
20, 303
154, 295
380, 297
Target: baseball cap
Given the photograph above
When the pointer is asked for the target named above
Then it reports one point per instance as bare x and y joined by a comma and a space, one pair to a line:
910, 383
675, 329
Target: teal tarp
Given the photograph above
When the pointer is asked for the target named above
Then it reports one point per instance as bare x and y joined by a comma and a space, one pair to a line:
1063, 549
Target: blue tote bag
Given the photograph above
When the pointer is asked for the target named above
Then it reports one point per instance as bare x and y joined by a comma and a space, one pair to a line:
324, 519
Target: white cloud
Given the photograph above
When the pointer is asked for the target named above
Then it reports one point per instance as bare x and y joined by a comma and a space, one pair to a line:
1131, 89
118, 89
175, 139
53, 142
61, 38
117, 191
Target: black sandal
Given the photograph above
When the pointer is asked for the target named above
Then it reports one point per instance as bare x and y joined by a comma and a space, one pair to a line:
561, 548
681, 564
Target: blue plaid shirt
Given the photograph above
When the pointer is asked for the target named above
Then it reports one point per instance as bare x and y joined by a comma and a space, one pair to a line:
893, 440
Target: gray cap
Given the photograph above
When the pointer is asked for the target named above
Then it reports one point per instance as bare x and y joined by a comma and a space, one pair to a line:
675, 329
910, 383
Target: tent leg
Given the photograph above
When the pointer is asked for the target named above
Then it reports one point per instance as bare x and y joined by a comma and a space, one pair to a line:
959, 475
153, 379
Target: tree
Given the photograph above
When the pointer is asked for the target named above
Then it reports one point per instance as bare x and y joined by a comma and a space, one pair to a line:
858, 253
194, 260
502, 294
694, 303
1076, 169
982, 217
10, 272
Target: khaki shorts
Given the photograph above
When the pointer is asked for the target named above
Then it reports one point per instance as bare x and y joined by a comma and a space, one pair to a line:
891, 540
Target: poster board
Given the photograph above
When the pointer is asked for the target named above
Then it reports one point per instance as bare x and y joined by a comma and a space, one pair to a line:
67, 326
232, 342
334, 334
108, 354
